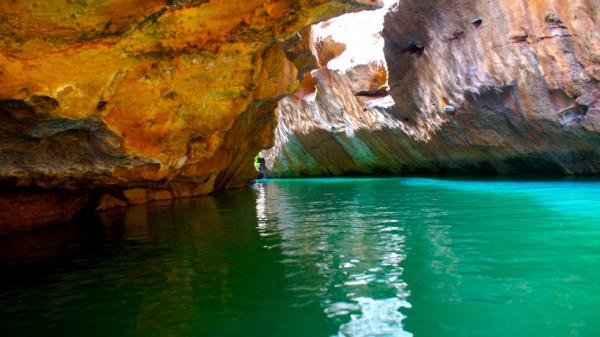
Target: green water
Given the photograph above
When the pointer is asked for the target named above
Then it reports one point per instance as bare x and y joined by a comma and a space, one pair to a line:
340, 257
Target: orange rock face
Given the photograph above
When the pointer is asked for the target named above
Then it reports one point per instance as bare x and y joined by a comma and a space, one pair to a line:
476, 86
162, 95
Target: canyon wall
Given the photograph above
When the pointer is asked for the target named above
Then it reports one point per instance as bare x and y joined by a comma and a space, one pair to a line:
106, 103
473, 87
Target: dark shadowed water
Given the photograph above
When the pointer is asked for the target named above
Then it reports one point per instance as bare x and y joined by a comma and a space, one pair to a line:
338, 257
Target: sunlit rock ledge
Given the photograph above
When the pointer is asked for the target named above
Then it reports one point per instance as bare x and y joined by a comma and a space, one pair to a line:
109, 103
474, 87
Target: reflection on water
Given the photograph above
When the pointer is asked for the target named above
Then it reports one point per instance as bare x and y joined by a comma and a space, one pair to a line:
342, 250
337, 257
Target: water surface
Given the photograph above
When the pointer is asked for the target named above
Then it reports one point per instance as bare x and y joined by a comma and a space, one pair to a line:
336, 257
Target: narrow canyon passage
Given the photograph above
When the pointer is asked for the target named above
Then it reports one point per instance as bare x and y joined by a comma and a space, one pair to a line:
301, 168
107, 105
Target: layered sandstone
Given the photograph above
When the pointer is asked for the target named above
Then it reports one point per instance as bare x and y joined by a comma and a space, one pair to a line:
129, 101
477, 86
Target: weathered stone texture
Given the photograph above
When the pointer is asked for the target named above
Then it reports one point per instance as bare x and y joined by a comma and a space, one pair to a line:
158, 95
477, 86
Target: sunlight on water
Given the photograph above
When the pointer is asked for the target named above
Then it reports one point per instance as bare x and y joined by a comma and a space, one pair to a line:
380, 268
377, 318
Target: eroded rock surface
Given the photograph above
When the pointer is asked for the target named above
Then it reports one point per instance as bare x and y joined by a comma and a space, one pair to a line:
23, 209
143, 100
477, 86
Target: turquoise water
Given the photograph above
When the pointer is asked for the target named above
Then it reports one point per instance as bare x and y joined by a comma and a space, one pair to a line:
324, 257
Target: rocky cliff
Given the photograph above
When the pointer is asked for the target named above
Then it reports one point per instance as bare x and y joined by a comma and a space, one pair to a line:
108, 102
474, 86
